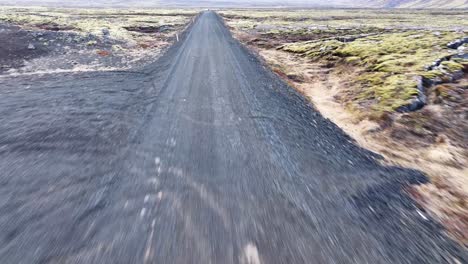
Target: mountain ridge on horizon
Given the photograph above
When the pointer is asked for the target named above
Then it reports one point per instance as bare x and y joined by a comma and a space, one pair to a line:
436, 4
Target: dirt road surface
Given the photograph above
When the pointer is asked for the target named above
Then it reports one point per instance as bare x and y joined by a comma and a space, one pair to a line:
201, 157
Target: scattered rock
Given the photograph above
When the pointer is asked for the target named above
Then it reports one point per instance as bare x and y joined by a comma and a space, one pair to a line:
31, 46
149, 29
103, 53
461, 50
37, 34
346, 39
54, 27
295, 77
428, 82
419, 101
457, 43
91, 43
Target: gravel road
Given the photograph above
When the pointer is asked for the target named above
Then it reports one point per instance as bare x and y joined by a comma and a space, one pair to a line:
203, 156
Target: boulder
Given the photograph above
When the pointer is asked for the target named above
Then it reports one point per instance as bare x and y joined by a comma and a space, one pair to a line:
418, 101
461, 50
105, 32
457, 43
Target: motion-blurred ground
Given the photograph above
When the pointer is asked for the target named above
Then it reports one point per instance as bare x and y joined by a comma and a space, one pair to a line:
396, 80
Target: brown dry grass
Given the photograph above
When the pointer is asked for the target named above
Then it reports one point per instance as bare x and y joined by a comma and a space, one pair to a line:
442, 157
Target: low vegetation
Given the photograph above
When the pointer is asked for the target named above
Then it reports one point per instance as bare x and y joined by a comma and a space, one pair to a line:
392, 63
395, 80
346, 18
118, 36
93, 21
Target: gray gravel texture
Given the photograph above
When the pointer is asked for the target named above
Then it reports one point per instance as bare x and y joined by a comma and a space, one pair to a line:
203, 156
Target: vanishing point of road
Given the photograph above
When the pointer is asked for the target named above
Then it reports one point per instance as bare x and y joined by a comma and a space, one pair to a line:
203, 156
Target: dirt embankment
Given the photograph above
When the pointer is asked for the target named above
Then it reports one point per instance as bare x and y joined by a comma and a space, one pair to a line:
431, 137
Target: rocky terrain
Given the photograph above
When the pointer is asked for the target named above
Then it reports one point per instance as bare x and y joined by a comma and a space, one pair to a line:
395, 82
45, 40
435, 4
204, 156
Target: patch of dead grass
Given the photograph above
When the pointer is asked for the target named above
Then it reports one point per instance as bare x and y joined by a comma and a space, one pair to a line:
444, 161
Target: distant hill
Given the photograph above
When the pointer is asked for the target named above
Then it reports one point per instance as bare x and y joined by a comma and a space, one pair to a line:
178, 3
416, 3
248, 3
